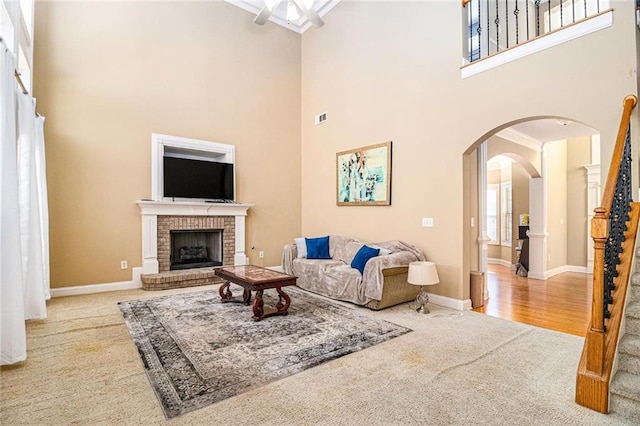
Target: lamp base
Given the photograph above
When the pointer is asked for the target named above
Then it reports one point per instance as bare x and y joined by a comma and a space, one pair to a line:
422, 300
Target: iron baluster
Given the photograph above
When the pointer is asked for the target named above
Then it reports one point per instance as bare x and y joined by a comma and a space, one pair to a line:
506, 20
585, 9
618, 218
488, 30
526, 8
537, 3
516, 11
497, 22
561, 17
479, 32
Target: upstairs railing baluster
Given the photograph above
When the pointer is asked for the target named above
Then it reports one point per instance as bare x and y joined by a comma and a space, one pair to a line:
488, 30
526, 6
516, 12
497, 22
585, 8
498, 15
506, 21
537, 3
479, 32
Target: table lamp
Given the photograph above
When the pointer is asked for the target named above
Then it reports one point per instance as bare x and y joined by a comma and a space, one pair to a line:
422, 273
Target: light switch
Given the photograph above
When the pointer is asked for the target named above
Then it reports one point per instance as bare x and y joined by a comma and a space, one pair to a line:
427, 222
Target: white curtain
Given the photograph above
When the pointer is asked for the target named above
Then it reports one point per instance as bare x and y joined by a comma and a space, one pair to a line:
24, 221
13, 341
35, 292
43, 204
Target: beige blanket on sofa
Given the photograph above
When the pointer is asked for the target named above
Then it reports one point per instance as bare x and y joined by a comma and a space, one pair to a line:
335, 277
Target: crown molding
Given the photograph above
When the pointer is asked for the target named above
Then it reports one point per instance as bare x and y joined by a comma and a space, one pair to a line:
520, 138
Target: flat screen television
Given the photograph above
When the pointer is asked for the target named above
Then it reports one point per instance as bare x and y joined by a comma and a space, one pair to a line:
188, 178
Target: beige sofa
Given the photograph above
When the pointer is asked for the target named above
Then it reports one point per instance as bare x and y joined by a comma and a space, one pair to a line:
383, 282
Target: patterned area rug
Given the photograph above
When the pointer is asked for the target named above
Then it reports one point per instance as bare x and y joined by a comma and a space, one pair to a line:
197, 350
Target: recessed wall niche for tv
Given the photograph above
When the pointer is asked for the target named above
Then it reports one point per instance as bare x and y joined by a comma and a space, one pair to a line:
191, 169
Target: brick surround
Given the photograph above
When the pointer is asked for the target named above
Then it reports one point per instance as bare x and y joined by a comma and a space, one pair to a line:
166, 224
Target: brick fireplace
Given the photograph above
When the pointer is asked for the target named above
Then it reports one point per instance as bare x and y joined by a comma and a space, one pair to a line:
169, 224
159, 218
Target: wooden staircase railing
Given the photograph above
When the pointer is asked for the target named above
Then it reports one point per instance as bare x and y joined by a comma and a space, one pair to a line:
613, 229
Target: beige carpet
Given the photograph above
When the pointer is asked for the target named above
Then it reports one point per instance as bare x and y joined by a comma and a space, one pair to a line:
455, 368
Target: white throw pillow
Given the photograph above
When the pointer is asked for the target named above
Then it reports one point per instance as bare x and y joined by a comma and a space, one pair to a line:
302, 247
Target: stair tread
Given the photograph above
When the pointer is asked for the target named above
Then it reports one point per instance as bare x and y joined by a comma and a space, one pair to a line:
627, 385
630, 345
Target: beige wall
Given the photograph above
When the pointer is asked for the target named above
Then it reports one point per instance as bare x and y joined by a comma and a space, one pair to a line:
556, 153
109, 74
578, 155
390, 71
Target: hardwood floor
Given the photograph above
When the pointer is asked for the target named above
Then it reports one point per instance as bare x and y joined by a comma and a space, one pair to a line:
561, 303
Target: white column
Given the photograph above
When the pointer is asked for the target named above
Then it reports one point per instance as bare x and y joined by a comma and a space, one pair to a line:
538, 223
150, 244
483, 237
239, 257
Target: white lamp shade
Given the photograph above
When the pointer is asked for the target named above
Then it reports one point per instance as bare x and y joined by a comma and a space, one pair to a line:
423, 273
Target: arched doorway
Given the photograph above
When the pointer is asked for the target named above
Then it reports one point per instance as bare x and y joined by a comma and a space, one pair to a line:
528, 150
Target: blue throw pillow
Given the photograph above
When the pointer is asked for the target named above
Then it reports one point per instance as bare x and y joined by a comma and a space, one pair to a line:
318, 248
362, 257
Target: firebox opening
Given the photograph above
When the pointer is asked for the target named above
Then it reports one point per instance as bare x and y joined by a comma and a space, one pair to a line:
199, 248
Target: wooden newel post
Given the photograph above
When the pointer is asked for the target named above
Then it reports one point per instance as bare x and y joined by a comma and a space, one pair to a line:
595, 334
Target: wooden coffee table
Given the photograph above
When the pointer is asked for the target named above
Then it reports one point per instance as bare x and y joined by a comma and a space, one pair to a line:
258, 279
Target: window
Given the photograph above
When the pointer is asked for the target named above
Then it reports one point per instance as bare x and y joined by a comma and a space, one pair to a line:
506, 214
492, 212
16, 27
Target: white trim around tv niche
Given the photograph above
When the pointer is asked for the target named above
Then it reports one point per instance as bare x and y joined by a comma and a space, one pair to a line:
185, 148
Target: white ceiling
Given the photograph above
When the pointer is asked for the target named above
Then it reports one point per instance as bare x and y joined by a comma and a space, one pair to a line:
279, 15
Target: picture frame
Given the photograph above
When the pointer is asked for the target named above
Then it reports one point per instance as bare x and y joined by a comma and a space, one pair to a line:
363, 176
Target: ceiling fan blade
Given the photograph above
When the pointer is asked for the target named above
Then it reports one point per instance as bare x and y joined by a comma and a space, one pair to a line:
263, 16
310, 13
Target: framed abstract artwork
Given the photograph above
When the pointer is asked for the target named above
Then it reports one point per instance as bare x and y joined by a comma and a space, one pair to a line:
364, 176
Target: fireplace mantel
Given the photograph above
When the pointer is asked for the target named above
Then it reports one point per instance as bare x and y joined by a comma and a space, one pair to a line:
150, 210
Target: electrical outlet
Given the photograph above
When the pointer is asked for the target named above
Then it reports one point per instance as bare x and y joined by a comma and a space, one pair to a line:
123, 264
261, 254
427, 222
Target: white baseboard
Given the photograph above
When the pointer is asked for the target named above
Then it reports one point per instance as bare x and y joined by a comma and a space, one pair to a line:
562, 269
559, 270
449, 302
136, 282
536, 276
502, 262
579, 269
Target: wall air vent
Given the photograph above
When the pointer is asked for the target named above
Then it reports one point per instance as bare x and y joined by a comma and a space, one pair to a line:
321, 118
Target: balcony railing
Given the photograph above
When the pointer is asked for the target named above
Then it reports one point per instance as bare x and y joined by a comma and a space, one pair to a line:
494, 26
